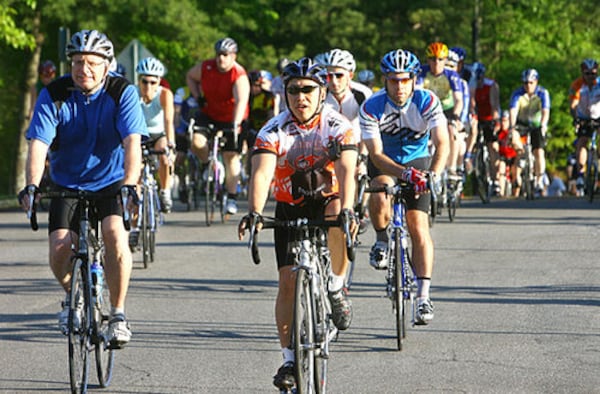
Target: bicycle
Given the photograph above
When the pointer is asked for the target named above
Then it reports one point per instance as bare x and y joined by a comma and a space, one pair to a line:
527, 163
591, 167
401, 280
189, 174
312, 328
483, 170
88, 295
215, 194
149, 208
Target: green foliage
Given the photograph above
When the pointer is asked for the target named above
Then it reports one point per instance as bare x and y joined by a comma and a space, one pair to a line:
552, 36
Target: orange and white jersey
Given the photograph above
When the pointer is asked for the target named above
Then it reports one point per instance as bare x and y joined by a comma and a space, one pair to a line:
304, 169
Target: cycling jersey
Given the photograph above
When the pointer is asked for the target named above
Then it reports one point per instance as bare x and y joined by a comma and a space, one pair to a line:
302, 152
443, 85
483, 104
575, 87
86, 132
505, 149
466, 92
405, 130
261, 109
589, 101
350, 104
530, 107
217, 88
154, 114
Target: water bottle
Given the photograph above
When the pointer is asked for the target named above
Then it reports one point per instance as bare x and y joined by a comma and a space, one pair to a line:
97, 278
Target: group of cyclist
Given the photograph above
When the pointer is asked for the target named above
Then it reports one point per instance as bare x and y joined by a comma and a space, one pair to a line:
304, 130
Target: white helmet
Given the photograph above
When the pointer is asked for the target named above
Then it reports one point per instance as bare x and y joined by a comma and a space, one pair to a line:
150, 66
90, 41
340, 58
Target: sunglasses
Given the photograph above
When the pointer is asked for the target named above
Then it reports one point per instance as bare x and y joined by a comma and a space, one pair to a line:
296, 90
149, 82
403, 81
336, 75
590, 73
436, 59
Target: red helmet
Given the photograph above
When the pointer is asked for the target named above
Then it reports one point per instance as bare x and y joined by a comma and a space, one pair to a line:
47, 68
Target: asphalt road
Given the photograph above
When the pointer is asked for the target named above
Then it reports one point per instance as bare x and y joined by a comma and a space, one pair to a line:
516, 290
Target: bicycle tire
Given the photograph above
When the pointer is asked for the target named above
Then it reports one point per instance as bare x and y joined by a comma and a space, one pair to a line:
398, 292
452, 204
145, 230
79, 336
154, 226
209, 194
591, 179
222, 203
528, 180
304, 334
483, 177
104, 355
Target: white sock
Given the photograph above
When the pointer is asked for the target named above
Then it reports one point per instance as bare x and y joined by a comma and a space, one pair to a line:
336, 282
423, 285
117, 311
288, 355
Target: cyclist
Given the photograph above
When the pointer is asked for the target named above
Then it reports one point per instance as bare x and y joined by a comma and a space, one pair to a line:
447, 87
158, 106
262, 104
277, 87
462, 69
529, 112
508, 158
93, 138
585, 105
397, 124
222, 89
485, 107
310, 151
367, 78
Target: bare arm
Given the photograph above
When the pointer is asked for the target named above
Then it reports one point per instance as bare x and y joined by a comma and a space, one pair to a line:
133, 159
345, 168
241, 94
263, 169
36, 162
495, 101
439, 136
381, 160
193, 78
166, 101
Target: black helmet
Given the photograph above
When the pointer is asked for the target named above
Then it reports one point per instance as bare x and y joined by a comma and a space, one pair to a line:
305, 68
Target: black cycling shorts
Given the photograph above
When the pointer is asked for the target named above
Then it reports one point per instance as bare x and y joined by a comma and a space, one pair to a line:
537, 139
63, 212
202, 120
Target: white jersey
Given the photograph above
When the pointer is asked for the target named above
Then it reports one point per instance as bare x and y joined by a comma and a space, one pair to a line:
350, 104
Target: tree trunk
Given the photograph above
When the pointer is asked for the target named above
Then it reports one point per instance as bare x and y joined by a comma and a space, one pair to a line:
30, 81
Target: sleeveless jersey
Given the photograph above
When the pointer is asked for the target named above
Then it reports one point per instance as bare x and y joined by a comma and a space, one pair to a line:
217, 88
404, 131
86, 132
483, 105
154, 114
574, 88
304, 149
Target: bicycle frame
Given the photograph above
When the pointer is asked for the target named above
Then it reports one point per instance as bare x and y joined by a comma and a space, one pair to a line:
149, 211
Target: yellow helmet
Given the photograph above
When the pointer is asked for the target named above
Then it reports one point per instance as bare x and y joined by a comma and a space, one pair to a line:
437, 50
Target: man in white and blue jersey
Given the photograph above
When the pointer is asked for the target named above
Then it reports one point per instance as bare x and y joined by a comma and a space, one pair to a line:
397, 124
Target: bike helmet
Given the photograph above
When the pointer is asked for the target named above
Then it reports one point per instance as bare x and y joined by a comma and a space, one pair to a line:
460, 51
257, 77
47, 68
453, 59
90, 41
589, 64
437, 50
478, 69
530, 74
366, 76
305, 68
226, 45
321, 59
340, 58
400, 61
281, 63
150, 66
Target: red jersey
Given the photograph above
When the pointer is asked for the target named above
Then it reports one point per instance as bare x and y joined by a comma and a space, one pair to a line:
483, 106
217, 88
505, 149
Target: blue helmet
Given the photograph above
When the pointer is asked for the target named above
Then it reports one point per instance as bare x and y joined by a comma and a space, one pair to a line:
460, 51
366, 76
530, 74
400, 61
478, 69
305, 68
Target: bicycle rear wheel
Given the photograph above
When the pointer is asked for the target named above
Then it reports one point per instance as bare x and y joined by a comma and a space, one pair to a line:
79, 329
528, 181
591, 176
484, 187
145, 230
398, 292
452, 204
104, 355
304, 334
209, 194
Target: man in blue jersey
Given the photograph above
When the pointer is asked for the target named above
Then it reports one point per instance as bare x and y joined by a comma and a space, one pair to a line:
397, 124
90, 125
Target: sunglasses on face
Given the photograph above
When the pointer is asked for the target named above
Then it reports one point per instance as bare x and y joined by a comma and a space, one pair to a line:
296, 90
590, 73
402, 81
336, 75
437, 59
149, 81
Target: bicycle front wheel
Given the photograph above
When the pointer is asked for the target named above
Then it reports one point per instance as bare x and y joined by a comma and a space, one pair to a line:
145, 230
398, 292
304, 334
79, 329
591, 178
104, 355
484, 187
209, 194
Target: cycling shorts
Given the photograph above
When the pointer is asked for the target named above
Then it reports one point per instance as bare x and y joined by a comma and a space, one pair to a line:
585, 131
537, 139
412, 201
487, 126
202, 120
283, 236
64, 212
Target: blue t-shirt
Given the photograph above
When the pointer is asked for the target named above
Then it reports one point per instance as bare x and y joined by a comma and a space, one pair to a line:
85, 133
